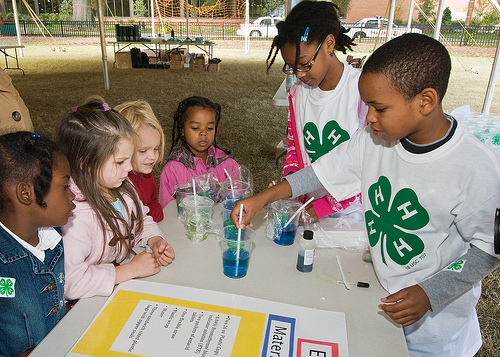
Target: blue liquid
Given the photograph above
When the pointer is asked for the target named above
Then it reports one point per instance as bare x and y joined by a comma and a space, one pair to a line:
287, 235
229, 263
228, 207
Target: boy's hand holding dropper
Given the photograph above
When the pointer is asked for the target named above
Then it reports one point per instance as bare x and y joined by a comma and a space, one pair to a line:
253, 205
406, 306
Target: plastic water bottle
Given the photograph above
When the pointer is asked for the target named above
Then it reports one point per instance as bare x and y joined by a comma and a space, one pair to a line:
305, 257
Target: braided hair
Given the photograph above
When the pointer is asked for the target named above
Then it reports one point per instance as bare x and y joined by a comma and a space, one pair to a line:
321, 18
181, 115
27, 157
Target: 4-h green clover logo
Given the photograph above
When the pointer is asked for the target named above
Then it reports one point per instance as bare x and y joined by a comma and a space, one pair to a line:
390, 225
331, 136
457, 266
6, 286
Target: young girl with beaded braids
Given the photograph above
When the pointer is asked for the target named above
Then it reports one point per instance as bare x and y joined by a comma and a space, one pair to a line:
325, 108
34, 196
194, 148
109, 218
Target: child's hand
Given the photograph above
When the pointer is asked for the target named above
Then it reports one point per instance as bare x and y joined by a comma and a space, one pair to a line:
142, 265
251, 206
162, 251
312, 213
273, 182
407, 306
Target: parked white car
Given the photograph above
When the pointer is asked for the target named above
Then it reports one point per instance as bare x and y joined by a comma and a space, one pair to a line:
372, 27
262, 27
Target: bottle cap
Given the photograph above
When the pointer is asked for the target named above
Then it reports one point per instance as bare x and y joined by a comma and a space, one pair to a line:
308, 234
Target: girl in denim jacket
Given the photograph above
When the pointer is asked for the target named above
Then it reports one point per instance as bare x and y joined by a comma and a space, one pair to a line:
34, 196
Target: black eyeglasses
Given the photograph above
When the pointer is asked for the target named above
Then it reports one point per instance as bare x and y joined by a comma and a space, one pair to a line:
304, 68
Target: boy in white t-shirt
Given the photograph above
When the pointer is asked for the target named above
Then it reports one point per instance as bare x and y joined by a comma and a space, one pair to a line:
430, 190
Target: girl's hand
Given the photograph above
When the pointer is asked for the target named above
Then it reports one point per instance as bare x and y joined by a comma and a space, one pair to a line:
273, 182
312, 213
142, 265
254, 204
251, 206
407, 306
162, 251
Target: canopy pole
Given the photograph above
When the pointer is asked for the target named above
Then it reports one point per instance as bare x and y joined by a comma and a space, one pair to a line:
391, 20
18, 30
247, 20
491, 83
410, 16
439, 19
152, 18
103, 45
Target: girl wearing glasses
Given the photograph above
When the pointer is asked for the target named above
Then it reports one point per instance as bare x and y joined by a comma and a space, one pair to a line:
325, 108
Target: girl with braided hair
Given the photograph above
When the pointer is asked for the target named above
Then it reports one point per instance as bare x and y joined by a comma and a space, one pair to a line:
325, 108
194, 148
34, 196
109, 218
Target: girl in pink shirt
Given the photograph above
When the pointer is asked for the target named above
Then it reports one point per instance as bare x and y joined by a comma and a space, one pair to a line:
194, 149
109, 218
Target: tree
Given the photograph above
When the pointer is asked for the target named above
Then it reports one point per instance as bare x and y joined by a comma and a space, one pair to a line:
427, 7
446, 16
82, 10
140, 8
270, 5
343, 6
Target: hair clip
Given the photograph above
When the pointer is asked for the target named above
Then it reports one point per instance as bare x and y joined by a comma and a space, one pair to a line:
35, 136
74, 109
105, 106
305, 35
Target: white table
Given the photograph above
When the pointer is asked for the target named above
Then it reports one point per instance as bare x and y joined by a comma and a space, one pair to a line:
272, 275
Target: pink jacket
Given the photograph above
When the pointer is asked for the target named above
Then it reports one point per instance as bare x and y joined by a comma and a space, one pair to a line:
83, 244
183, 166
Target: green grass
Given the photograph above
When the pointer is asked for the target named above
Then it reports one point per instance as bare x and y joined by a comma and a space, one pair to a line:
251, 125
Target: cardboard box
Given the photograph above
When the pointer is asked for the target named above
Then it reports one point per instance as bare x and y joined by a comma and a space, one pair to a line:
123, 60
214, 67
176, 64
281, 148
176, 57
154, 59
197, 67
199, 59
164, 55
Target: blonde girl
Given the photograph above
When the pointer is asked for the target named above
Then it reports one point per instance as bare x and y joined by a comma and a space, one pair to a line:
149, 150
109, 219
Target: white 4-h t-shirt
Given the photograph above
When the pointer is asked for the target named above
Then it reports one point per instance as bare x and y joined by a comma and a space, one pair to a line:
422, 213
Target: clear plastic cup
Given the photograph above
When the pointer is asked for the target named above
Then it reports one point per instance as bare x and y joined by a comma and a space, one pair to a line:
280, 213
236, 255
197, 214
239, 189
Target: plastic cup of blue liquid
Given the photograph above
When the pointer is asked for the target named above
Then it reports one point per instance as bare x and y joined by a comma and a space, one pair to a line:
227, 207
236, 255
238, 190
281, 212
